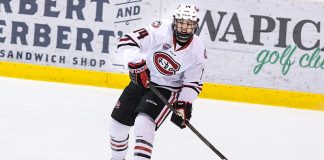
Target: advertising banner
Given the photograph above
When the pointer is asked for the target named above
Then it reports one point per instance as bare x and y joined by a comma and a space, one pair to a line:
69, 33
275, 44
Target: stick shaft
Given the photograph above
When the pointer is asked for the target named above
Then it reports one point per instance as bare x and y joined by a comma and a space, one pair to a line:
192, 128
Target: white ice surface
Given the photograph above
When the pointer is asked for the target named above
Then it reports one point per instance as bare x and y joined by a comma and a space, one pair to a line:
53, 121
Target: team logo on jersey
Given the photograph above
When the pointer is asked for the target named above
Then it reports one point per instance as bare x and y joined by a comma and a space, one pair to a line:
165, 64
166, 46
156, 24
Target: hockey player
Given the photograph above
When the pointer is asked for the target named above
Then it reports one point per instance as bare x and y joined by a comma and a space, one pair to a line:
172, 58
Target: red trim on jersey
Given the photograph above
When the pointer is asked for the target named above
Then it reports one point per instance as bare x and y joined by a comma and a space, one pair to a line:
185, 46
182, 47
124, 39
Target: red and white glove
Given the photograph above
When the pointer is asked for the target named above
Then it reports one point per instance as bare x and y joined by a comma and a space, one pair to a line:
184, 110
139, 73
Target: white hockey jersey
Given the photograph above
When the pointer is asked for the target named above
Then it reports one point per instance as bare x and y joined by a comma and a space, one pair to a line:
174, 67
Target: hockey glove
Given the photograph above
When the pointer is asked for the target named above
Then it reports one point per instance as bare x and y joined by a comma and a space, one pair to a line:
139, 73
184, 110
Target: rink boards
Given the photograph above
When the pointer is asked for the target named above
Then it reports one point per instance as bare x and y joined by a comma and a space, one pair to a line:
214, 91
263, 54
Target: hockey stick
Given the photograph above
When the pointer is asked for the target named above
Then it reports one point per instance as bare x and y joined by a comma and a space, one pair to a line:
193, 129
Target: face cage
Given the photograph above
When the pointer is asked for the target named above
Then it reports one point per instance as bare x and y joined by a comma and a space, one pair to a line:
183, 37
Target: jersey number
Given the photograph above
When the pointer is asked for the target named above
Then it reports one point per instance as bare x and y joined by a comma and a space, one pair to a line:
142, 33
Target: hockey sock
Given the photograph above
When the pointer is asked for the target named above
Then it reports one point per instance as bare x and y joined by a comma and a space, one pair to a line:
118, 140
144, 130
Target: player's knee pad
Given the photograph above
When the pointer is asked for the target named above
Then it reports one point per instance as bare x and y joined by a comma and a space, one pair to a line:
144, 126
118, 139
118, 130
144, 130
